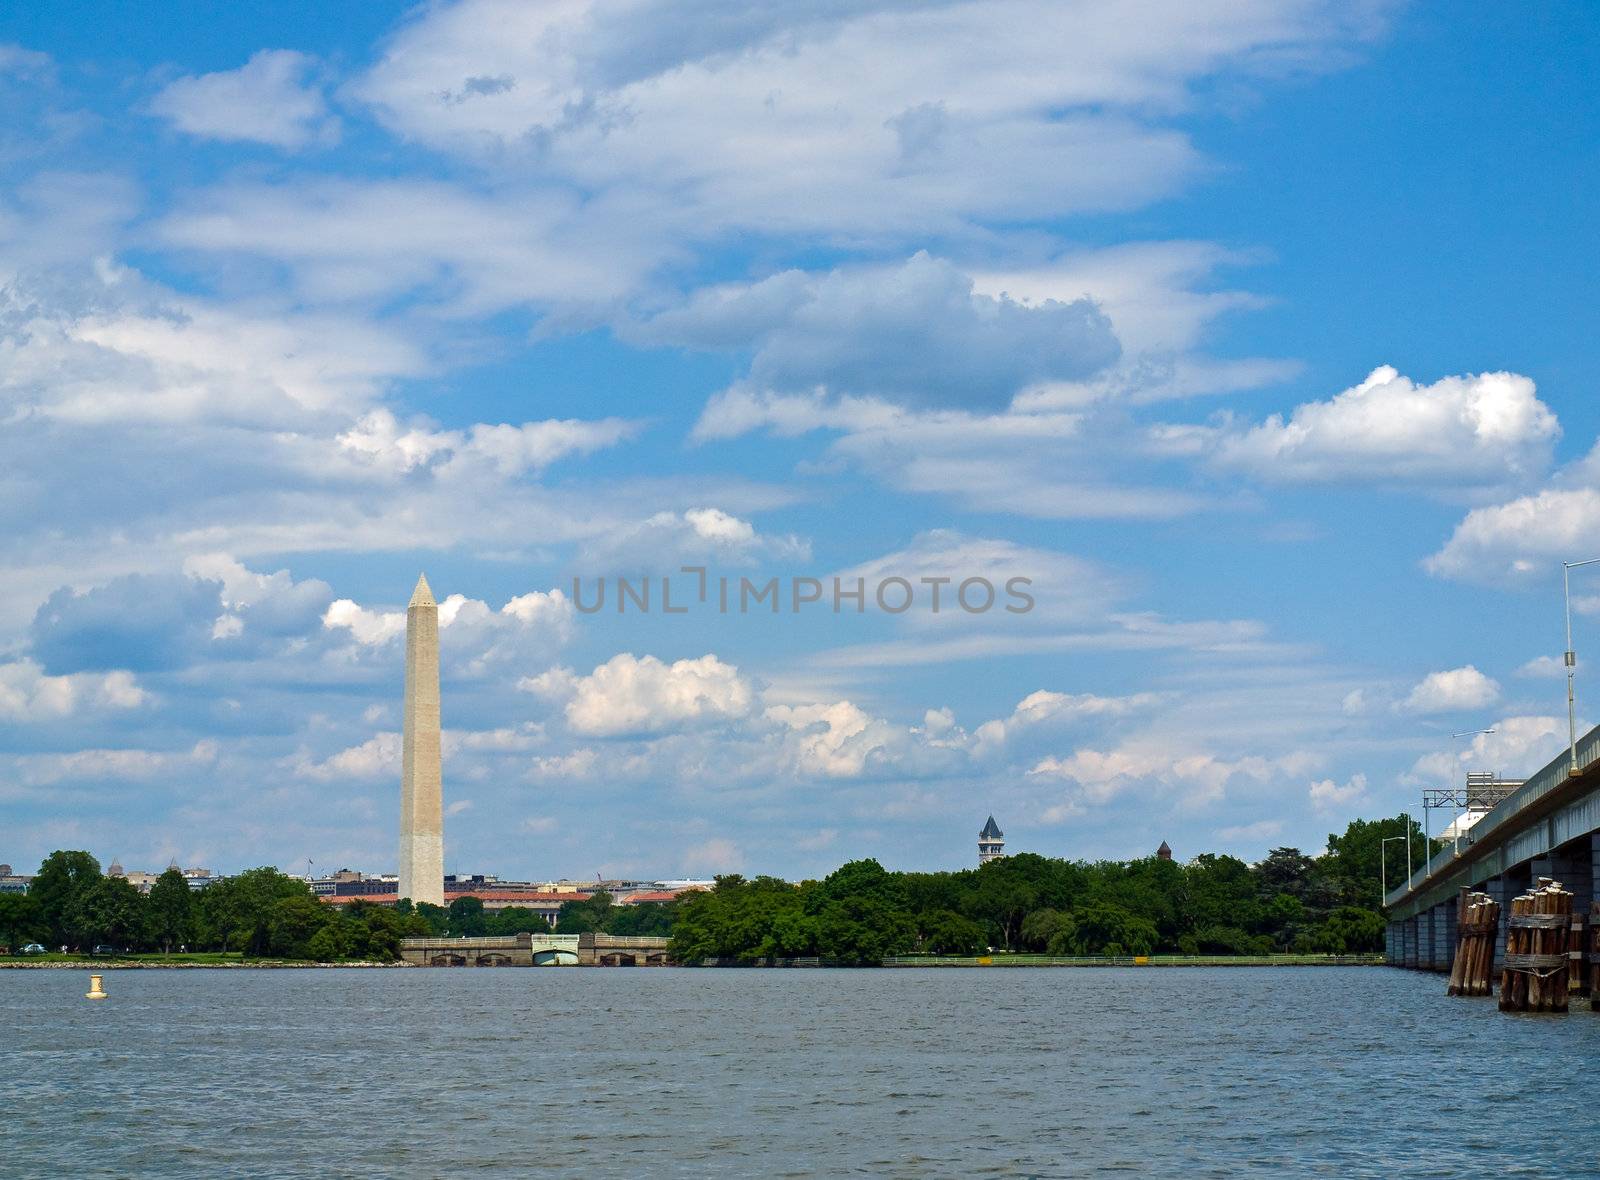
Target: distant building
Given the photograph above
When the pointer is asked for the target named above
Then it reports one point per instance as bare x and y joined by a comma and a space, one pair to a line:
12, 882
991, 842
1165, 851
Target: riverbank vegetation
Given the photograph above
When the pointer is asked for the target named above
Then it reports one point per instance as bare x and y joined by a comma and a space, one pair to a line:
1212, 905
861, 913
259, 913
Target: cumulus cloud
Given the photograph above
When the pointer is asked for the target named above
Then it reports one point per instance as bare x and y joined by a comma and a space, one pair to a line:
1521, 537
1470, 431
1543, 668
380, 440
832, 740
267, 100
1328, 796
141, 622
474, 637
1454, 689
631, 694
1517, 747
666, 540
28, 694
1197, 777
1045, 708
916, 333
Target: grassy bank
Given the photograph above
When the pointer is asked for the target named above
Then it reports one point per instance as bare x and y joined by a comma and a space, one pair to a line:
157, 960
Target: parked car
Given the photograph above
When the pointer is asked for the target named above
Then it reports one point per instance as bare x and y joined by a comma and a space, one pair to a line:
102, 948
33, 948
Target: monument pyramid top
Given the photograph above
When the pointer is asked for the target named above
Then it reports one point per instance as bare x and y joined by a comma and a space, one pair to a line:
423, 594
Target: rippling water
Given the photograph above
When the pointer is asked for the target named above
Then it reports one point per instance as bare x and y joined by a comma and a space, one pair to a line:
1032, 1072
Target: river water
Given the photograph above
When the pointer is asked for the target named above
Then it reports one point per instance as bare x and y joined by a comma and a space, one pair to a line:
1006, 1072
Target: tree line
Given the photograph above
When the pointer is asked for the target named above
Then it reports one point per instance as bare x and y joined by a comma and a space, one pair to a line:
267, 914
860, 913
1212, 905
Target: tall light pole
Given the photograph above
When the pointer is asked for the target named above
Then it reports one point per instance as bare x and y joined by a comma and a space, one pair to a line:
1572, 662
1455, 822
1383, 861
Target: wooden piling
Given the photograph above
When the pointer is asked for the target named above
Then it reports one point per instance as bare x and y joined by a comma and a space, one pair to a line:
1534, 978
1476, 930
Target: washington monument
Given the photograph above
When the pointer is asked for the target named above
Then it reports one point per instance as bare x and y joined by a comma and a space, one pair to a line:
421, 807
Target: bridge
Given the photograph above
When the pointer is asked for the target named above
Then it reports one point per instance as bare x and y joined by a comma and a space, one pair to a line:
1549, 827
536, 950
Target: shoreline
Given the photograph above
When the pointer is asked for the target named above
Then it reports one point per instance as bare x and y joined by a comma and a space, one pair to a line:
122, 965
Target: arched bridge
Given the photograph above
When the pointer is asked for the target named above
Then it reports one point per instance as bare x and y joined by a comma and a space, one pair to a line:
537, 950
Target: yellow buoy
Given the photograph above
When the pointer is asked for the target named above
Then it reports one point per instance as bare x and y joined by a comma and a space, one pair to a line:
96, 990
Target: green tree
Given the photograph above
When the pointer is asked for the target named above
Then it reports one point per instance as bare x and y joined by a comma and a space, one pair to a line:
517, 920
945, 932
60, 891
294, 920
649, 917
111, 911
1103, 929
171, 909
1355, 859
20, 922
585, 915
467, 917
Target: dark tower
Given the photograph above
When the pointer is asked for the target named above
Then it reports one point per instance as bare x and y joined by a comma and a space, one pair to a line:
991, 842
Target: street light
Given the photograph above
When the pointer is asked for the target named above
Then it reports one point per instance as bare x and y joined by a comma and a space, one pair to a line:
1427, 831
1383, 860
1572, 662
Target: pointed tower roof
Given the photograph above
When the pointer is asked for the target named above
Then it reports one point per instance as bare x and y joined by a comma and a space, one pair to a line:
1165, 851
423, 594
116, 869
991, 831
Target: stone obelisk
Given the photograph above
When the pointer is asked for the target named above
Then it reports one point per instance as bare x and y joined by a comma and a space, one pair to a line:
421, 804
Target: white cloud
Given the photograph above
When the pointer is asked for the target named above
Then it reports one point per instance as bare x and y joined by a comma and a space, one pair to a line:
1196, 776
110, 765
266, 100
1254, 833
1521, 538
631, 694
1480, 430
377, 757
508, 450
28, 695
912, 333
1543, 668
883, 118
1045, 707
367, 626
666, 540
474, 637
1328, 796
716, 855
1453, 689
1518, 747
831, 740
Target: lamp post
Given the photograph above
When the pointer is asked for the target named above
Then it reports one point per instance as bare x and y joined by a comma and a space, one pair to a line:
1383, 861
1456, 822
1572, 662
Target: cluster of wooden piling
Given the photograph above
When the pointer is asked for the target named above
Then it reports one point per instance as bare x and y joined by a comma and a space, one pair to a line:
1536, 966
1594, 956
1477, 928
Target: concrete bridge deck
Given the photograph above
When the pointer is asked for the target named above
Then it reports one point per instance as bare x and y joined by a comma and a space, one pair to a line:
1550, 827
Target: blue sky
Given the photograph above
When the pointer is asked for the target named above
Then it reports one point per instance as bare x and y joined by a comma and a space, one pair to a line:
1253, 334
